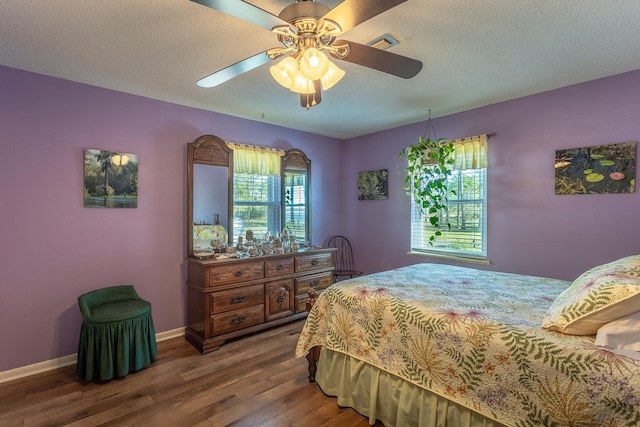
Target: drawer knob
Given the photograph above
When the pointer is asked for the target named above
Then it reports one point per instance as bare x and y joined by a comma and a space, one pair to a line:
281, 267
238, 320
238, 300
280, 299
314, 283
238, 273
315, 262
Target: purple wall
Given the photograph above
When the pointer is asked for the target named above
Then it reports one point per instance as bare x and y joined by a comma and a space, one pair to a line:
52, 249
530, 229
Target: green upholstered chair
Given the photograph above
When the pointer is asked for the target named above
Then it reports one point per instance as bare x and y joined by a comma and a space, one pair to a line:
117, 334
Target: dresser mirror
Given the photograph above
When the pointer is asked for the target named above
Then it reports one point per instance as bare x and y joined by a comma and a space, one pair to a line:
296, 180
209, 194
210, 198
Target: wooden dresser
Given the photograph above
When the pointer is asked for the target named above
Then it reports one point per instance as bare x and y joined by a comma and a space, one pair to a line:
229, 298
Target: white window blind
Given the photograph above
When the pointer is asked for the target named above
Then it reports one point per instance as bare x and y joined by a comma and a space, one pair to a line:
256, 204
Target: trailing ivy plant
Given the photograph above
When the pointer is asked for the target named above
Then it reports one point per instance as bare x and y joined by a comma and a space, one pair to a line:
429, 165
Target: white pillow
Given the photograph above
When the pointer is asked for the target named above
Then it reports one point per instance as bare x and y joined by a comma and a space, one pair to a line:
600, 295
621, 336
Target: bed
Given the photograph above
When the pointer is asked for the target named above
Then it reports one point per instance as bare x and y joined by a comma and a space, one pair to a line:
438, 345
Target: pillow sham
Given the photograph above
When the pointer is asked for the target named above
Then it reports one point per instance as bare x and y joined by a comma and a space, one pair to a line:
600, 295
621, 336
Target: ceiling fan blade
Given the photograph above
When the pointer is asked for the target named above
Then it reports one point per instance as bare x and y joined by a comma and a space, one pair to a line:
380, 60
350, 13
244, 11
234, 70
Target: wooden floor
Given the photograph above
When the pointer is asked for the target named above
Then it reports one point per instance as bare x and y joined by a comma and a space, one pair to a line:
252, 381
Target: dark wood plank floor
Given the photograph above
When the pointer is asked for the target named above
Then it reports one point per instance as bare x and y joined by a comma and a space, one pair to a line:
252, 381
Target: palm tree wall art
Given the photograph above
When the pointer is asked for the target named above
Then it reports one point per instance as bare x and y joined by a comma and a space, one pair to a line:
110, 179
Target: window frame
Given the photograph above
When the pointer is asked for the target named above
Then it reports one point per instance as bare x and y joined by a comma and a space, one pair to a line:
273, 205
421, 246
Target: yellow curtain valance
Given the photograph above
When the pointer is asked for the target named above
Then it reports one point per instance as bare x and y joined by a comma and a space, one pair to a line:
470, 153
255, 160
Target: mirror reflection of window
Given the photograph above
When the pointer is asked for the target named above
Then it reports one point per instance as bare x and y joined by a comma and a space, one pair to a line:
295, 204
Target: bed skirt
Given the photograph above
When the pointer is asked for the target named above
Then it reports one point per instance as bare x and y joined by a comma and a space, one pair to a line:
382, 396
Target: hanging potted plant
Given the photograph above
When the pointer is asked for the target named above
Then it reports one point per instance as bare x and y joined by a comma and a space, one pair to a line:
429, 164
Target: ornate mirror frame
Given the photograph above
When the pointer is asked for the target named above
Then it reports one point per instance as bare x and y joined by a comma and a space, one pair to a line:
208, 150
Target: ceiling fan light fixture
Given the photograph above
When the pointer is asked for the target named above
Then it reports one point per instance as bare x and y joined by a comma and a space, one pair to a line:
332, 76
285, 71
307, 30
302, 85
314, 64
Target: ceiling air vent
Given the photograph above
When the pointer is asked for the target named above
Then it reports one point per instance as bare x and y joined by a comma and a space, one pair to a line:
383, 42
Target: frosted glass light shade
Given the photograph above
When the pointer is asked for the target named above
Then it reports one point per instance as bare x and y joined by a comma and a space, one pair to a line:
332, 76
313, 64
285, 71
302, 84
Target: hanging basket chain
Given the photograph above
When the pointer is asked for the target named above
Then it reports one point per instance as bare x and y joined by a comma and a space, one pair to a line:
430, 128
429, 165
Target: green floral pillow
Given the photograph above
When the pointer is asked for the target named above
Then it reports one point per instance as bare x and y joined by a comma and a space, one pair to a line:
600, 295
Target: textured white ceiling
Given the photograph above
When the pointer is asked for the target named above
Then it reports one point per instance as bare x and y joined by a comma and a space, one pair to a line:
475, 53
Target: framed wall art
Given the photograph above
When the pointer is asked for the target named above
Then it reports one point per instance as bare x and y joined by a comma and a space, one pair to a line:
599, 169
110, 179
373, 185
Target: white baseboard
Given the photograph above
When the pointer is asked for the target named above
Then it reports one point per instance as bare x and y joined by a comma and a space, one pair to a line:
36, 368
167, 335
61, 362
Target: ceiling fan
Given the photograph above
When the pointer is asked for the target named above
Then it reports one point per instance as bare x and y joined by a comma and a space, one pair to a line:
306, 30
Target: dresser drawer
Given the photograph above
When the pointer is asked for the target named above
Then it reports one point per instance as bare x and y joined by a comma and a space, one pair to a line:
233, 299
237, 319
279, 299
314, 262
317, 282
279, 267
234, 273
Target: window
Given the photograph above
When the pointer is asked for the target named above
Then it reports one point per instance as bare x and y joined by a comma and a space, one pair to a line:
256, 204
256, 190
467, 212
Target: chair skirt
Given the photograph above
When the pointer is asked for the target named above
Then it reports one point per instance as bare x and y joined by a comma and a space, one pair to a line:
114, 349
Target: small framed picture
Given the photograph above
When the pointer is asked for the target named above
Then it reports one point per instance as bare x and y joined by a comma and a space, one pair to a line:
110, 179
373, 185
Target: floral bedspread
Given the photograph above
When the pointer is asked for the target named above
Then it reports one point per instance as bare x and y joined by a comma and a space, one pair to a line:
474, 337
